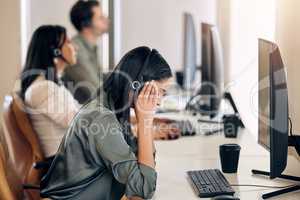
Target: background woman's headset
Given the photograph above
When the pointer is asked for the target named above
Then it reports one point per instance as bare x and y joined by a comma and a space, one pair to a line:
57, 53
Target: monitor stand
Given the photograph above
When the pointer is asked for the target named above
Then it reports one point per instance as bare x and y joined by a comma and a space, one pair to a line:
228, 97
294, 141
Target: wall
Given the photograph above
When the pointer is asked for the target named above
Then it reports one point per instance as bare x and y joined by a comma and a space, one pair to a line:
275, 20
159, 24
241, 24
287, 34
50, 12
10, 49
41, 12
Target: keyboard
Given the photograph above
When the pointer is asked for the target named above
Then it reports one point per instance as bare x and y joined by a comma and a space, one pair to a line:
210, 183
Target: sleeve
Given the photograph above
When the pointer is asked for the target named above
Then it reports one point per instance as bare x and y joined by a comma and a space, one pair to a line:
79, 80
58, 105
139, 179
78, 72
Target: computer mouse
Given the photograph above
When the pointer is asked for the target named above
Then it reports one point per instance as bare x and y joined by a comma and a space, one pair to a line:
225, 197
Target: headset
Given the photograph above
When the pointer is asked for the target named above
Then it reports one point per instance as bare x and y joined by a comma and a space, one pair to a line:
138, 84
57, 53
86, 21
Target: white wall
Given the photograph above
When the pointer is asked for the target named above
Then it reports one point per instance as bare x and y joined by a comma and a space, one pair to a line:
159, 24
10, 49
57, 12
50, 12
287, 37
241, 24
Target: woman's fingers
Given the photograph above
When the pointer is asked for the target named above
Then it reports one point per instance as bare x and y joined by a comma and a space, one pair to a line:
154, 95
152, 92
143, 92
148, 90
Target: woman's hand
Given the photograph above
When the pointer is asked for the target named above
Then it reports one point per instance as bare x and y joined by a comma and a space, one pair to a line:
146, 103
144, 109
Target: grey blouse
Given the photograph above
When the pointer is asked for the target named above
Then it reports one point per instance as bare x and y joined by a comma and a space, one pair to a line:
95, 161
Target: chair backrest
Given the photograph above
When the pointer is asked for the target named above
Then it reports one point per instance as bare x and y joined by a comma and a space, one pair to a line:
22, 143
24, 123
5, 188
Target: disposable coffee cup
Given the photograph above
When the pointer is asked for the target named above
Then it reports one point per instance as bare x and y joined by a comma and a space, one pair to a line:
230, 126
229, 156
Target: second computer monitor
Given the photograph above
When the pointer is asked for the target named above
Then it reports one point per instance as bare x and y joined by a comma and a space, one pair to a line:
212, 70
273, 106
190, 51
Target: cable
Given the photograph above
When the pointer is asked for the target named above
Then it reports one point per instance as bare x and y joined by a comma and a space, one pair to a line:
210, 121
295, 141
264, 186
291, 126
208, 133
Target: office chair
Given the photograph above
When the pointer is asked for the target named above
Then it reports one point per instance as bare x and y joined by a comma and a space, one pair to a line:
23, 150
5, 189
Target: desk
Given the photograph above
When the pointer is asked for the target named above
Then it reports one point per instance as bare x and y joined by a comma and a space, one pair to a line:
174, 158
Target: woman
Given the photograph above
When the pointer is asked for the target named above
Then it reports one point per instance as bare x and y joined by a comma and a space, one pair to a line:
99, 157
50, 105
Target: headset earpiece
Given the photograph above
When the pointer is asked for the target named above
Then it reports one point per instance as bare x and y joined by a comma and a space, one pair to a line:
86, 23
57, 53
136, 85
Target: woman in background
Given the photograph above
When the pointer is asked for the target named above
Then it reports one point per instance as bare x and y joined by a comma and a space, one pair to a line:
50, 105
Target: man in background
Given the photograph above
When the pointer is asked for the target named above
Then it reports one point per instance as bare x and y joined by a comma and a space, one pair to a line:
84, 78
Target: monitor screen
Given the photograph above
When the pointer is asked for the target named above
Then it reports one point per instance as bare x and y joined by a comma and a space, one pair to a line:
190, 51
206, 51
273, 106
265, 49
212, 81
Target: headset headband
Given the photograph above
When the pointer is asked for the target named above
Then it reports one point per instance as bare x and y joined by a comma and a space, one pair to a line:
137, 84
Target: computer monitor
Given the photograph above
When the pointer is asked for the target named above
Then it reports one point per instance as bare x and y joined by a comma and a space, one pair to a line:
273, 106
190, 52
212, 70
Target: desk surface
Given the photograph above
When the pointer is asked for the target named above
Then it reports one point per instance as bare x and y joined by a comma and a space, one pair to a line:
174, 158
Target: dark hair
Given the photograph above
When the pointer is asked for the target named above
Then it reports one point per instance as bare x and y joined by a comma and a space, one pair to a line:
40, 55
140, 64
82, 13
